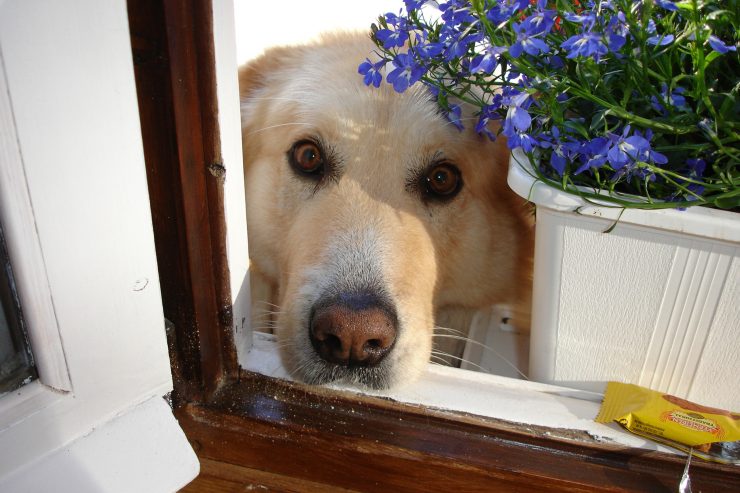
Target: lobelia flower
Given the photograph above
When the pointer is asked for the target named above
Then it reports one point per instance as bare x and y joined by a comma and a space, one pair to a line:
518, 121
542, 21
453, 115
718, 46
412, 5
593, 154
674, 99
455, 12
371, 72
624, 149
457, 45
393, 38
405, 73
562, 151
488, 60
667, 4
488, 113
424, 49
527, 40
573, 84
503, 10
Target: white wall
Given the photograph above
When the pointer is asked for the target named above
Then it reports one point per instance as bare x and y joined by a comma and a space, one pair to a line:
263, 24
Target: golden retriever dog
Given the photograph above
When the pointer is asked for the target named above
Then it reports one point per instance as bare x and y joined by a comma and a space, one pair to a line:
369, 214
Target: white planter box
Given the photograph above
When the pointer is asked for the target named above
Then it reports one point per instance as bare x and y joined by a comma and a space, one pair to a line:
654, 302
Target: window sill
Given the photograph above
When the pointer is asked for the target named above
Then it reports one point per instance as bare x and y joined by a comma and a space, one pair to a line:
141, 450
558, 411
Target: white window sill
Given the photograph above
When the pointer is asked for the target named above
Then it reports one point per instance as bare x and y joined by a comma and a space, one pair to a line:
143, 449
491, 396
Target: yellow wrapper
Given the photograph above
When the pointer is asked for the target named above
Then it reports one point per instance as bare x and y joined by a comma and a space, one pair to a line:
709, 433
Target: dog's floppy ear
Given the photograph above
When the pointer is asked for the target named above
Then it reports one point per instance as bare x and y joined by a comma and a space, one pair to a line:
256, 74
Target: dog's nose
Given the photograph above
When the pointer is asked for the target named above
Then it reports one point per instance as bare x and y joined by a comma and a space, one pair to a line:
352, 335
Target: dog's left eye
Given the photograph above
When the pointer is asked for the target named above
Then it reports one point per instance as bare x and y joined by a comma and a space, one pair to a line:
306, 158
442, 182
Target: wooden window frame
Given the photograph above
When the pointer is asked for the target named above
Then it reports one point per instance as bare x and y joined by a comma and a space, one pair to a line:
249, 427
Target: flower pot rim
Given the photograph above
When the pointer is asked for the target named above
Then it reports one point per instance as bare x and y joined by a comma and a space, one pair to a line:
700, 221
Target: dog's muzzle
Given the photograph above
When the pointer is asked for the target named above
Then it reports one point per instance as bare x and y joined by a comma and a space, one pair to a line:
353, 330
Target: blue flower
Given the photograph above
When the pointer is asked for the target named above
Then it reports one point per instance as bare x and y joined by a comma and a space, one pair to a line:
503, 10
562, 151
696, 167
586, 20
666, 4
488, 113
453, 114
487, 61
526, 41
586, 44
518, 121
718, 46
412, 5
391, 39
406, 72
455, 12
661, 40
593, 154
674, 99
626, 149
541, 22
517, 115
371, 72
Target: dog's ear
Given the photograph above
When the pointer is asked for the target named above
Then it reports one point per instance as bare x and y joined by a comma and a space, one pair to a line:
257, 73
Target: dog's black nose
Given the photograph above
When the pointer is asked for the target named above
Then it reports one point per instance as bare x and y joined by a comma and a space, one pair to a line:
353, 334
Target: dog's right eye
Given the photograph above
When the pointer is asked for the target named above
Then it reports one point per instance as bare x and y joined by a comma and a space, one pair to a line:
306, 158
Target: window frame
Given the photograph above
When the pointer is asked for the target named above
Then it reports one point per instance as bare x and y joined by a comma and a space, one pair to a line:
74, 205
245, 424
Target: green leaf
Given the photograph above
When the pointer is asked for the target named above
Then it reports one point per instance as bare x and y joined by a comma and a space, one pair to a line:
598, 121
728, 200
577, 127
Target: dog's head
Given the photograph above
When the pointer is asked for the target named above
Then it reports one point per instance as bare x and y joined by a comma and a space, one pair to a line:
369, 211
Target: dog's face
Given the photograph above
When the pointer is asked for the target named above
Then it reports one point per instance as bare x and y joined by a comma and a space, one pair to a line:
369, 211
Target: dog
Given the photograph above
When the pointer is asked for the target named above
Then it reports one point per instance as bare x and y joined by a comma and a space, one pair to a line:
369, 215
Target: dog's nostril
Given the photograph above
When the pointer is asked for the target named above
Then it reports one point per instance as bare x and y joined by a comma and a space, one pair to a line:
374, 344
349, 336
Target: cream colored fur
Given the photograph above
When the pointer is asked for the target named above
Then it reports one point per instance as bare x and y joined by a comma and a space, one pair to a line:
365, 227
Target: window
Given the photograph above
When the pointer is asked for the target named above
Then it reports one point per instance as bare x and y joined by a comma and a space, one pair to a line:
251, 427
16, 361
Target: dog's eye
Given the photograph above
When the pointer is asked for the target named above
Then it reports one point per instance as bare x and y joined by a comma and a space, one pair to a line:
306, 158
443, 181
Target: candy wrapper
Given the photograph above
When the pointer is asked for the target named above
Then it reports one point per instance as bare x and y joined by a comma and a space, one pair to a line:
708, 433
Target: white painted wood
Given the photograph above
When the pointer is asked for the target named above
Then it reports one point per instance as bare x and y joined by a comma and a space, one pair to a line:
24, 249
147, 433
229, 119
71, 87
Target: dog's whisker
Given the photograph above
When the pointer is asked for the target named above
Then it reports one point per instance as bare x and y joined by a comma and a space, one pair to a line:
278, 126
436, 360
487, 348
451, 330
264, 98
479, 367
265, 302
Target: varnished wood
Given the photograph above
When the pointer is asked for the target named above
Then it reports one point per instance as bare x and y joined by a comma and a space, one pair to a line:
175, 74
221, 477
368, 444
